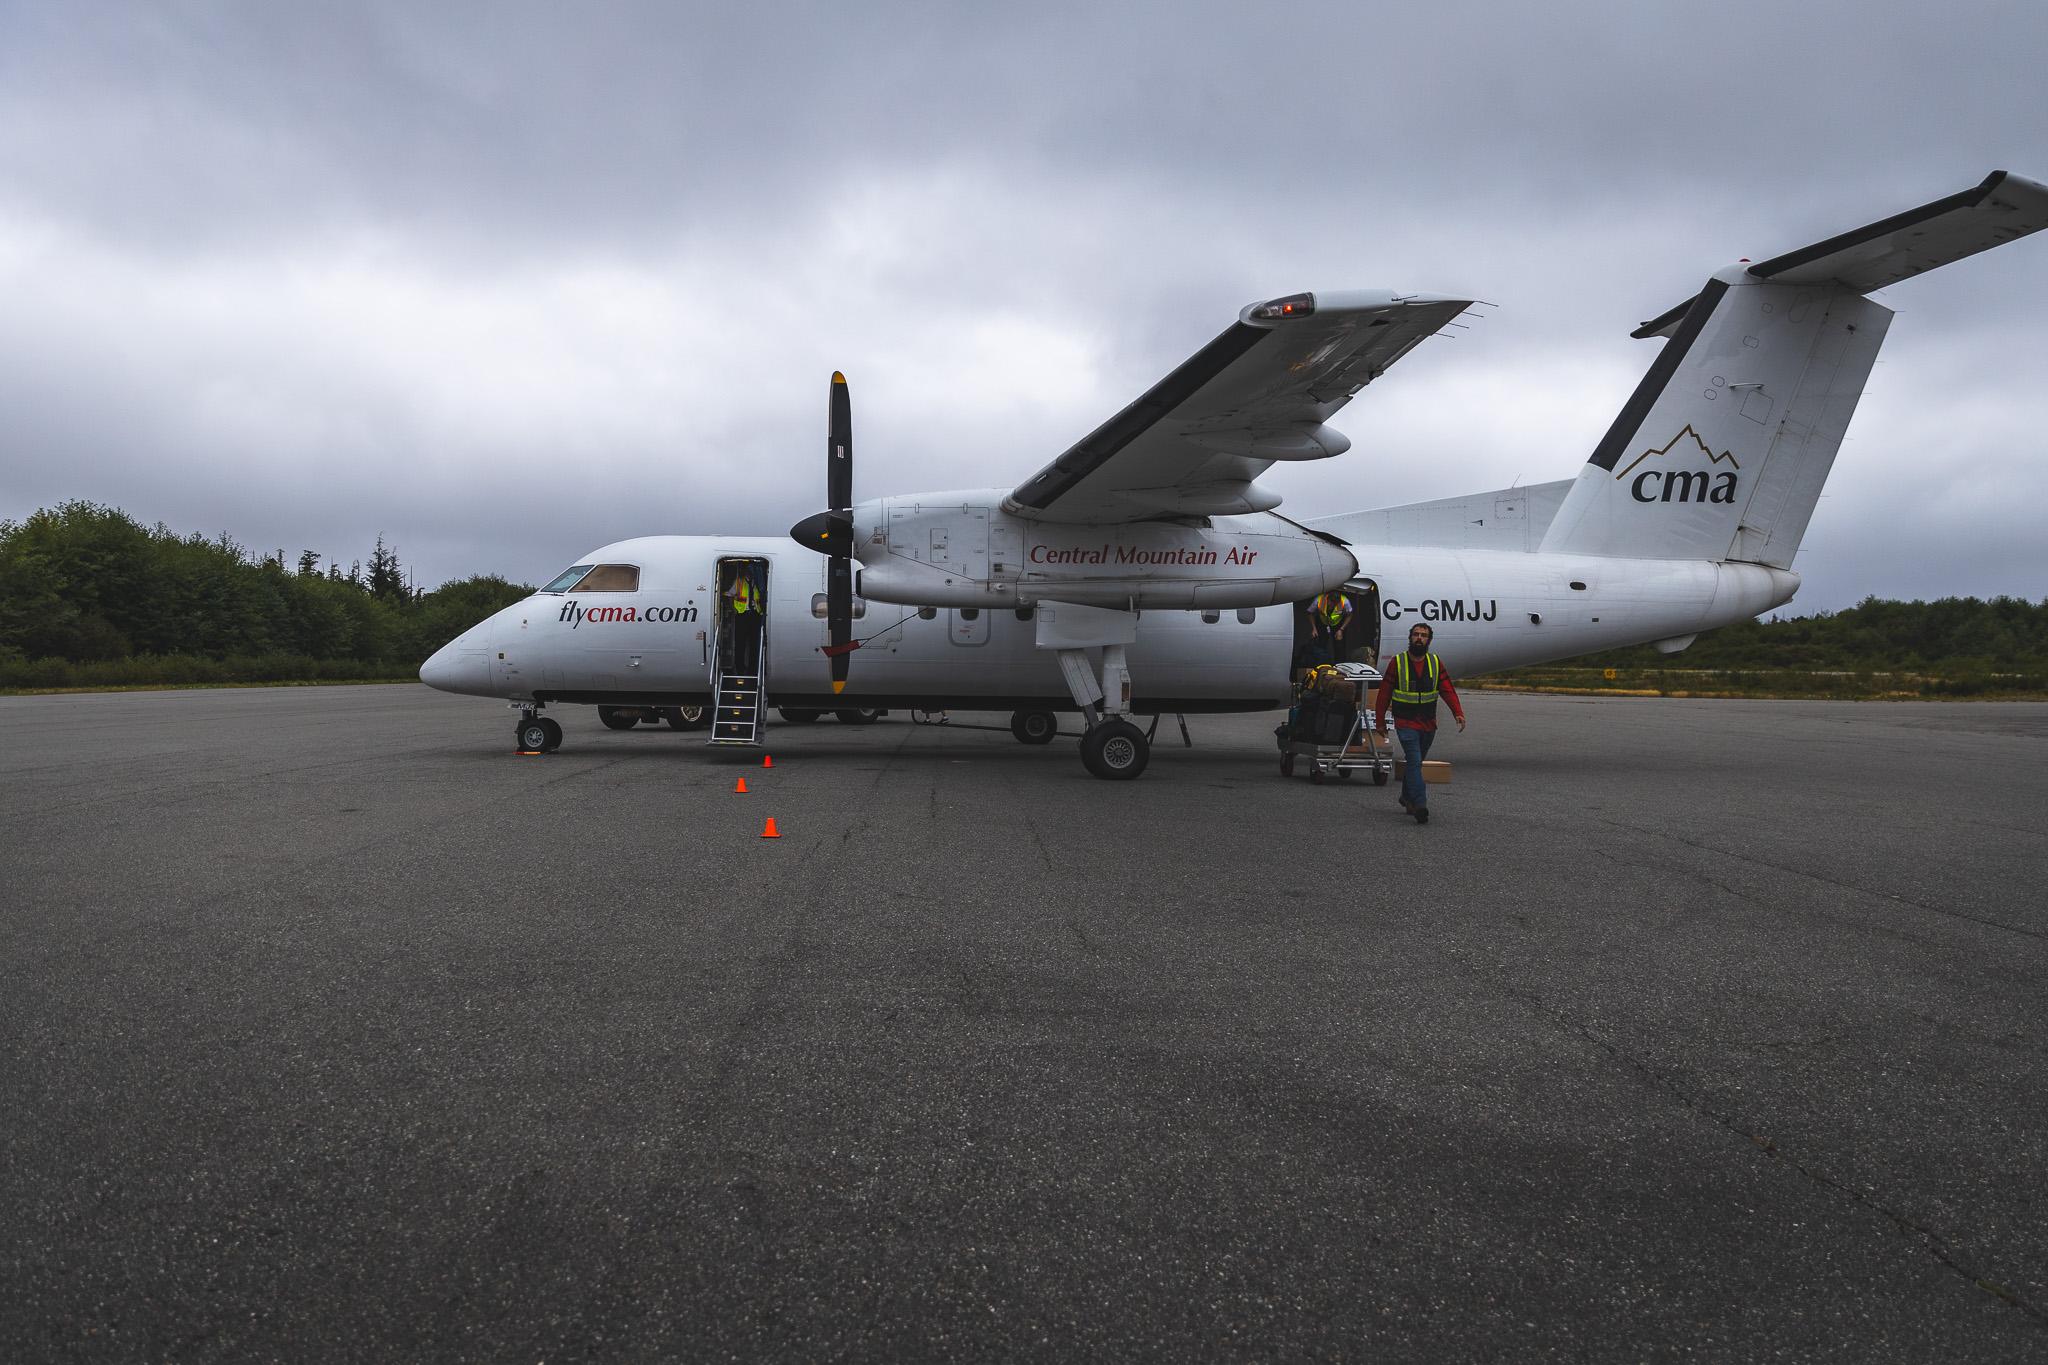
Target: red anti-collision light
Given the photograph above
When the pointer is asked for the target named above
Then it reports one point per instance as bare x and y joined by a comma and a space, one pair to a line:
1293, 306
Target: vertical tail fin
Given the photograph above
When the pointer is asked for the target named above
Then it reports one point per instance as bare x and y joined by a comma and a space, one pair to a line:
1722, 450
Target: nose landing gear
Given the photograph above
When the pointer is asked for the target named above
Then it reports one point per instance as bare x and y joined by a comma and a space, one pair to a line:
537, 734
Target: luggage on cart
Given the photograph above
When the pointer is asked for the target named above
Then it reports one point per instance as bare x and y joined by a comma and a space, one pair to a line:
1327, 727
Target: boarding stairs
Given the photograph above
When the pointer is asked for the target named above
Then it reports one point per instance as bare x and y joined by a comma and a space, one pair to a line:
738, 717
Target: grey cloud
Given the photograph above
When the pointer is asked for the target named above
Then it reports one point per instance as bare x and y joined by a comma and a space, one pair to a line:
505, 282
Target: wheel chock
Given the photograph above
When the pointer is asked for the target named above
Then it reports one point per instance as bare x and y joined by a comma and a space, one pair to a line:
741, 789
769, 833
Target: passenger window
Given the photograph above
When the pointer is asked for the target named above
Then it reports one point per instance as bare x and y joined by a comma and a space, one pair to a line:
610, 578
567, 577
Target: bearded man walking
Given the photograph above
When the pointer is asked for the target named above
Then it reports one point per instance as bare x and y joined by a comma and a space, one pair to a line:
1413, 681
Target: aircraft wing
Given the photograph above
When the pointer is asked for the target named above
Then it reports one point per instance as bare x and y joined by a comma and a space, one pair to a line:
1192, 444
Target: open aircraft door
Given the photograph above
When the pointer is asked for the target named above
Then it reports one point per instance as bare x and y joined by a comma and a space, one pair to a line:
739, 649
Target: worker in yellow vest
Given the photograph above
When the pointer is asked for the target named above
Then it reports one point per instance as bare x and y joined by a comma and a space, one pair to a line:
1328, 616
745, 596
1411, 684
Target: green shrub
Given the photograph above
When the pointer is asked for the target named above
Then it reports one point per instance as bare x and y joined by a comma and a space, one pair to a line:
91, 597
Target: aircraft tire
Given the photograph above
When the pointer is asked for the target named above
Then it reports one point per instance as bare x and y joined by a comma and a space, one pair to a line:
1035, 727
798, 716
614, 721
554, 734
1115, 751
536, 736
684, 717
861, 717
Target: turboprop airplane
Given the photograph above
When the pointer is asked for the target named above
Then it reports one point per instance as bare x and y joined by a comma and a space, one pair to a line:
1145, 571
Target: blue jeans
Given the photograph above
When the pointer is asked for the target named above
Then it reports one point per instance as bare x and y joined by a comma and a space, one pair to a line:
1414, 747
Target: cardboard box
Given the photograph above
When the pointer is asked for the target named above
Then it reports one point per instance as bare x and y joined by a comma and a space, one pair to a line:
1433, 770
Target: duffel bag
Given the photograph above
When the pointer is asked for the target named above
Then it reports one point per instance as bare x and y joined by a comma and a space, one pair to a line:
1333, 725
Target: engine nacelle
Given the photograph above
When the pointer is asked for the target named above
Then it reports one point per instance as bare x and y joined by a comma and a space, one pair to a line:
962, 550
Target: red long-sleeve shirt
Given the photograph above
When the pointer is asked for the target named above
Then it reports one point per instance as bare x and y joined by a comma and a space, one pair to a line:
1386, 698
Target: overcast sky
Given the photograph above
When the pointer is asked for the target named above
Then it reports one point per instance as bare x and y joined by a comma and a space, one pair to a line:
506, 281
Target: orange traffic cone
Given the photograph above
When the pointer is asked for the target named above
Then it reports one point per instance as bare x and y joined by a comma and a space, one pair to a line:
767, 762
769, 833
741, 789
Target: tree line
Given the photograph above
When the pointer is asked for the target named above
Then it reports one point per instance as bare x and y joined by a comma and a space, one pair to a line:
90, 596
86, 585
1952, 635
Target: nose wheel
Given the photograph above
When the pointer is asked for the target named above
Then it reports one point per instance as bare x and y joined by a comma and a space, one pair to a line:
538, 735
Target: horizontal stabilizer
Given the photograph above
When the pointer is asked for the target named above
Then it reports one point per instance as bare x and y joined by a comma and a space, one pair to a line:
1904, 245
1498, 519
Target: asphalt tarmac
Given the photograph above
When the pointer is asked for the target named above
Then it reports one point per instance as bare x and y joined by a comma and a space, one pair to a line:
332, 1029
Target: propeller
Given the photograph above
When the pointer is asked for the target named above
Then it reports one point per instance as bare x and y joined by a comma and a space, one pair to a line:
831, 532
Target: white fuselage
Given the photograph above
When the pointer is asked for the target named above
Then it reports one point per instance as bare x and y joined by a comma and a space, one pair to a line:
1197, 648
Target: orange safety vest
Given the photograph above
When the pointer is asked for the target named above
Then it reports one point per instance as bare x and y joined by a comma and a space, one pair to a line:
1332, 607
744, 595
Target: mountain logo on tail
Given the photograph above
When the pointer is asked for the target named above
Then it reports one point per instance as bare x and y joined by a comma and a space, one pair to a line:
1683, 485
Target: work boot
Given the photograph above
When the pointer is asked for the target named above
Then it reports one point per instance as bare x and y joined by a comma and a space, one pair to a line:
1407, 805
1421, 814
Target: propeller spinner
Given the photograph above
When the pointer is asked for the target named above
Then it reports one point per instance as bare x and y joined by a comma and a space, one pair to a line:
831, 532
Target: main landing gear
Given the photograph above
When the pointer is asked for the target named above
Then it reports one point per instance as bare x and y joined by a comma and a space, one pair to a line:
1035, 727
1113, 749
1116, 750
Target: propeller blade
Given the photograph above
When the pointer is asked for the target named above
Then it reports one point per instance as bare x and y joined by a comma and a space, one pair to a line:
839, 449
839, 546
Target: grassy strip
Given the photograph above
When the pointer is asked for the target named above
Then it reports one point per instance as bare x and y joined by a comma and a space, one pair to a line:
200, 687
1790, 684
151, 671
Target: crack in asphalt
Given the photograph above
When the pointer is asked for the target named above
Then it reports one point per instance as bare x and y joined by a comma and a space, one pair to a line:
1705, 847
1933, 1242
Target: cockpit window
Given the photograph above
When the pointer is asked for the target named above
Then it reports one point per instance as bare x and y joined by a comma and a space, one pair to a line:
610, 578
567, 577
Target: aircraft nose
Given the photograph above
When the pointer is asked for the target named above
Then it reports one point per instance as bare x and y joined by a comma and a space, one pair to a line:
461, 665
439, 670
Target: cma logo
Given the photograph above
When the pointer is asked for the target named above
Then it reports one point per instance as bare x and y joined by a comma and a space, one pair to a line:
1683, 485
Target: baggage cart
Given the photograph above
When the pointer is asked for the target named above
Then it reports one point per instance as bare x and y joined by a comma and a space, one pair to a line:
1356, 748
